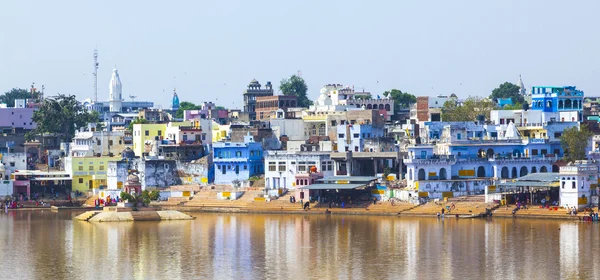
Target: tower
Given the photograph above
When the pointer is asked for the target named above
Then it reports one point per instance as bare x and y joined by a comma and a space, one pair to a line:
175, 101
522, 90
115, 91
95, 75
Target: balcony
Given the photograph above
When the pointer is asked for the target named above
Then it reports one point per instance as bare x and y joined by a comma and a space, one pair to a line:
81, 148
433, 159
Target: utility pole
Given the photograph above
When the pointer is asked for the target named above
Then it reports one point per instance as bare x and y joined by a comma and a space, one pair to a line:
95, 75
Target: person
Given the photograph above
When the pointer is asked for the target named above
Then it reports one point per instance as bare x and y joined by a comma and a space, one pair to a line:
443, 210
327, 211
291, 199
374, 200
307, 206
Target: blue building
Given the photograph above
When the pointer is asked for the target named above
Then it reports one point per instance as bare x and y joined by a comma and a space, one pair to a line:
237, 161
504, 101
557, 99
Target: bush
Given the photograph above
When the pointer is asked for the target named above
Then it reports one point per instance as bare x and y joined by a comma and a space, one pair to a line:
154, 195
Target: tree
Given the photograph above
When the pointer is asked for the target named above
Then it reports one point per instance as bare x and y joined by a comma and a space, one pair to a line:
17, 93
574, 142
401, 99
468, 110
296, 86
363, 96
516, 106
507, 90
136, 121
185, 106
60, 116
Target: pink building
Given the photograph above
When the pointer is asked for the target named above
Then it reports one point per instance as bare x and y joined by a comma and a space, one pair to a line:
305, 179
17, 118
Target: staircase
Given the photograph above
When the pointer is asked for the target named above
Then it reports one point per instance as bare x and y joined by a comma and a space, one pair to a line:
87, 215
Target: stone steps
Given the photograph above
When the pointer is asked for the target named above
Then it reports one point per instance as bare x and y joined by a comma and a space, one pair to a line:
87, 215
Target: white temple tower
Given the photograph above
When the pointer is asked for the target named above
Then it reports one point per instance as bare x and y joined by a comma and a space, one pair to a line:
115, 91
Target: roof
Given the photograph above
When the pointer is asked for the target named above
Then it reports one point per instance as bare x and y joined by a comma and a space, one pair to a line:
332, 186
534, 180
348, 179
50, 178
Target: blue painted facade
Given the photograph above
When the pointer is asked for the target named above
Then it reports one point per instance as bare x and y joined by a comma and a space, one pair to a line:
237, 161
504, 101
556, 99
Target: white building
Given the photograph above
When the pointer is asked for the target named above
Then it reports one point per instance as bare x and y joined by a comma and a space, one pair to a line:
94, 143
6, 187
281, 167
12, 162
578, 183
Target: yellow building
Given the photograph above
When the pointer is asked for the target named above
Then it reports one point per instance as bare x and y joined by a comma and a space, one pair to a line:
88, 172
149, 132
219, 132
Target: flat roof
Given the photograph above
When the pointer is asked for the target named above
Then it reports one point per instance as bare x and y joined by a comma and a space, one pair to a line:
332, 186
51, 178
349, 179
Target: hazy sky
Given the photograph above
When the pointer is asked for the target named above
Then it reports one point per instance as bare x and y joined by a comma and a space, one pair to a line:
210, 50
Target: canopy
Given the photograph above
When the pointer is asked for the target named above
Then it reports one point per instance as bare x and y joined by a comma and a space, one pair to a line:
348, 179
332, 186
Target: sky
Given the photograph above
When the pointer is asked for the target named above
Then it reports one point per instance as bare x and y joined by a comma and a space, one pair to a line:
211, 50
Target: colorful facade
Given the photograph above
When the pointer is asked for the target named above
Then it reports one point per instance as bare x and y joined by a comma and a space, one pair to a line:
88, 172
237, 161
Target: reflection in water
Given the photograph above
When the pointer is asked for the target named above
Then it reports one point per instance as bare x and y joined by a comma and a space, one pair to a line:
39, 244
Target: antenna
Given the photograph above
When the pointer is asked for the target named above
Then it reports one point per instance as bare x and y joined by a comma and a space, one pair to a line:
42, 93
132, 97
95, 75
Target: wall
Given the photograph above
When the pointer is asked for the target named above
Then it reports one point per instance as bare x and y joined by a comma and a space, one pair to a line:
13, 161
17, 118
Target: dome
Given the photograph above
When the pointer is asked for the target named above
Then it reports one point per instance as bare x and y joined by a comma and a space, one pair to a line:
323, 91
254, 82
132, 178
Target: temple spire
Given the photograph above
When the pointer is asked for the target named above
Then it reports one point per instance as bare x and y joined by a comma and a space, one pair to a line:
522, 89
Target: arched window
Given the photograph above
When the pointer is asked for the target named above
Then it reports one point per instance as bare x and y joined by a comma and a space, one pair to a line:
534, 170
369, 106
523, 171
504, 172
380, 106
543, 169
480, 172
421, 174
514, 172
490, 153
443, 175
561, 104
387, 107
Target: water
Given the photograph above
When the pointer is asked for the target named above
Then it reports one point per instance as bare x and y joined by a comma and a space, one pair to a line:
48, 245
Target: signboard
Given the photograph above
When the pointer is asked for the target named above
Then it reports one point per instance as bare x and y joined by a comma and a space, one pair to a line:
423, 194
582, 200
186, 193
342, 182
466, 173
491, 188
448, 194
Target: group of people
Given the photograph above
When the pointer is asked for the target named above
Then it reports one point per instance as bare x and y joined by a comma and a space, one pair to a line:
9, 204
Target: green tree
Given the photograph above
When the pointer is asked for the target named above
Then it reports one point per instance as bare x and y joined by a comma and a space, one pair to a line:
401, 99
136, 121
574, 141
363, 96
507, 90
517, 106
60, 116
296, 86
468, 111
17, 93
185, 106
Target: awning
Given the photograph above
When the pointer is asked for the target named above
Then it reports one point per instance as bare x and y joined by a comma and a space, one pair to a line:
348, 179
50, 178
529, 184
332, 186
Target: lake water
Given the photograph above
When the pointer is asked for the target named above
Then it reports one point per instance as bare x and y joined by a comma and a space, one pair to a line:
49, 245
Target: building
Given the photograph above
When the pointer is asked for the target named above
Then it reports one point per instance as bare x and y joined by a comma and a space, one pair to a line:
578, 183
99, 143
6, 185
17, 118
353, 137
557, 99
283, 167
144, 135
237, 161
267, 106
155, 115
12, 162
428, 109
253, 91
88, 172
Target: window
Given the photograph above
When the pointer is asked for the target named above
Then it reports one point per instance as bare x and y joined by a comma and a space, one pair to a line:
302, 168
333, 123
458, 136
159, 133
272, 166
147, 133
556, 151
329, 165
557, 134
356, 135
80, 168
281, 166
81, 180
120, 142
99, 142
573, 184
238, 153
251, 153
91, 167
341, 135
544, 151
323, 166
245, 167
534, 152
101, 167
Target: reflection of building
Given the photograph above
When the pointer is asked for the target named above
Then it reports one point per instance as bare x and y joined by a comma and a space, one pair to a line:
237, 161
255, 90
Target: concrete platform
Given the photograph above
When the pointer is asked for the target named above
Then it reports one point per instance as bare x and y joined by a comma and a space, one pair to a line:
131, 216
